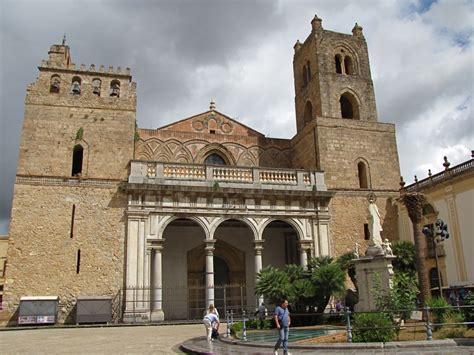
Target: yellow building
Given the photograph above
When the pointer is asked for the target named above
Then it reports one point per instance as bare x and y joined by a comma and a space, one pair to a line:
451, 193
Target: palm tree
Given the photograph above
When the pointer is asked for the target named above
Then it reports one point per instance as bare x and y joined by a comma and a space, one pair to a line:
414, 203
405, 257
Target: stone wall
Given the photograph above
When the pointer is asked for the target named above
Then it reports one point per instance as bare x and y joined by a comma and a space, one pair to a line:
349, 213
191, 140
42, 254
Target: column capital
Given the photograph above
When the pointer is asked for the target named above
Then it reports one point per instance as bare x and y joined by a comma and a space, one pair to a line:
155, 244
258, 246
305, 244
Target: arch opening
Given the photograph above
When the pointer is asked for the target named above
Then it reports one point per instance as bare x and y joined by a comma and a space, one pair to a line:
77, 160
338, 62
349, 106
348, 67
308, 112
363, 175
280, 246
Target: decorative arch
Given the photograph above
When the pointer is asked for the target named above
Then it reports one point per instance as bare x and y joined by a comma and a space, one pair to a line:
308, 112
349, 105
167, 220
292, 222
217, 222
215, 148
346, 60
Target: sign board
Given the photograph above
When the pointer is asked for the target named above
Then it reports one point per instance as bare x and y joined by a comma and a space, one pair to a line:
417, 315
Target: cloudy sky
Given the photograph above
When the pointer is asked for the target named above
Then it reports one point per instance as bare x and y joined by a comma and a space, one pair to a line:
182, 53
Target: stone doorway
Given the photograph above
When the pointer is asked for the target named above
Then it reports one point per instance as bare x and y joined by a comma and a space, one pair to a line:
229, 269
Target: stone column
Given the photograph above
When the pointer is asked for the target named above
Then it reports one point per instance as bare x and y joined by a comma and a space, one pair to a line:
157, 286
209, 271
305, 246
258, 247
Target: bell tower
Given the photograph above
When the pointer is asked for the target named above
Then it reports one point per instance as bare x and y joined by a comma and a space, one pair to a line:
332, 76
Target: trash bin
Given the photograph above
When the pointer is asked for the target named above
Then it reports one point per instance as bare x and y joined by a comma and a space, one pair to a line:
94, 309
38, 310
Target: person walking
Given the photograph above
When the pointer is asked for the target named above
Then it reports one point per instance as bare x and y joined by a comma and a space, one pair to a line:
211, 321
282, 322
262, 314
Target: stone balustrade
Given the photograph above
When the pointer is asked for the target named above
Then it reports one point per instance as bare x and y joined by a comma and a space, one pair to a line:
148, 172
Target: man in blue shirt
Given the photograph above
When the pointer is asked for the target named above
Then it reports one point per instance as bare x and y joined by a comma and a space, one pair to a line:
282, 321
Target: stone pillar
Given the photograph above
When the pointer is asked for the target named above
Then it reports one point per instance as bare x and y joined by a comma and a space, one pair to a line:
209, 271
157, 286
258, 247
368, 270
305, 246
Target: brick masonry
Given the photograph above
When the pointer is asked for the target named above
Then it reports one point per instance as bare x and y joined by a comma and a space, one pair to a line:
42, 256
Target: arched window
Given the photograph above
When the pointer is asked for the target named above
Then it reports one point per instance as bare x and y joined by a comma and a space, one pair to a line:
214, 159
55, 83
362, 172
338, 64
308, 112
115, 88
76, 85
349, 106
308, 71
434, 282
305, 76
96, 84
77, 157
349, 69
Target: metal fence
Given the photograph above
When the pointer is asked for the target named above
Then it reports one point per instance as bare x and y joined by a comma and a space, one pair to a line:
186, 303
429, 318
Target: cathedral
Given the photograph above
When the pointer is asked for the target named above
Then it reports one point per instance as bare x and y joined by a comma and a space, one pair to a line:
166, 221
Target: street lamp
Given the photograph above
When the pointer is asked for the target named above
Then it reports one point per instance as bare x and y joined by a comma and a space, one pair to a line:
437, 238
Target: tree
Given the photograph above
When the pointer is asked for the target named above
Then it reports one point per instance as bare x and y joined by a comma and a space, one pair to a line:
414, 203
273, 284
405, 257
328, 280
347, 264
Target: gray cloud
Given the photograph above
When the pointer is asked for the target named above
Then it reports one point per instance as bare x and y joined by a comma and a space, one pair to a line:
182, 53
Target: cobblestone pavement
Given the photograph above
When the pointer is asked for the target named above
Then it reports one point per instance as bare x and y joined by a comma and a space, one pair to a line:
106, 340
164, 339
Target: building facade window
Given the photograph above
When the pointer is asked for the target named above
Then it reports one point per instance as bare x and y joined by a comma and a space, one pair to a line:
77, 159
115, 88
96, 84
338, 64
55, 84
76, 85
363, 176
214, 159
349, 106
308, 112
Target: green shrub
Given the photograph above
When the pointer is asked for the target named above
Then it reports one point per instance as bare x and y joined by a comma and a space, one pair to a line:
439, 308
372, 327
450, 330
469, 311
236, 327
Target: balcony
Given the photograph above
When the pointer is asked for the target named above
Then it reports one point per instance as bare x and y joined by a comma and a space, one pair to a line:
175, 174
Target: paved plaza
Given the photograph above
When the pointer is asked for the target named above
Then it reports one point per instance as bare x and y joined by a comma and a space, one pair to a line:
166, 339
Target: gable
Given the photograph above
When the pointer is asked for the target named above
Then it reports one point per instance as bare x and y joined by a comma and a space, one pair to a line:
211, 122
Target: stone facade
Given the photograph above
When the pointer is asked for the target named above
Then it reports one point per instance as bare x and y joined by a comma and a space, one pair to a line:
154, 209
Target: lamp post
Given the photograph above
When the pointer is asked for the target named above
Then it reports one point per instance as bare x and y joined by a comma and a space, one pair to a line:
437, 237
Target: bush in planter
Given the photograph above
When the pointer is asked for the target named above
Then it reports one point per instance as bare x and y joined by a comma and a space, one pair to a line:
372, 327
450, 330
440, 308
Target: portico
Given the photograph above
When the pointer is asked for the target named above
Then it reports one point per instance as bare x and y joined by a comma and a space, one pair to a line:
183, 219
